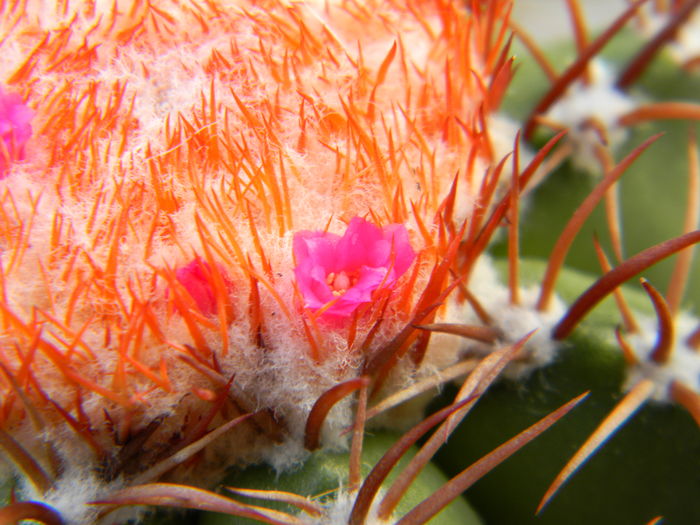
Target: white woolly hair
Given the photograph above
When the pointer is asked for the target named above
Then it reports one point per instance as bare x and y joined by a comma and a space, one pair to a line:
599, 100
513, 322
338, 509
683, 364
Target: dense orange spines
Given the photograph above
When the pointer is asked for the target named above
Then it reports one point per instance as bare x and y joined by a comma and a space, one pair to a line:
215, 131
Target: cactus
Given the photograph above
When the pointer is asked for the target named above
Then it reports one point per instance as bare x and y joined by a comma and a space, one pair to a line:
332, 262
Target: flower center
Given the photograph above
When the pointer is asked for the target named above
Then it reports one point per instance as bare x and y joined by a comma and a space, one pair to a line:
340, 282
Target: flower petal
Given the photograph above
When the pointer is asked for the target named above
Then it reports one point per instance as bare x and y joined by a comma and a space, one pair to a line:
367, 257
403, 254
357, 247
195, 279
15, 128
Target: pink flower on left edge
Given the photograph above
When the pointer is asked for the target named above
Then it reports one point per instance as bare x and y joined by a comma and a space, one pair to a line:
15, 129
348, 269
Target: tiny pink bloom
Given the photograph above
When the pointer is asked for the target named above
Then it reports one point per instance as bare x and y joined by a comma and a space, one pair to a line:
195, 278
15, 129
348, 269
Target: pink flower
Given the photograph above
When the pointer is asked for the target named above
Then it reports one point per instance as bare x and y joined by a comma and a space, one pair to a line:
348, 269
15, 129
195, 278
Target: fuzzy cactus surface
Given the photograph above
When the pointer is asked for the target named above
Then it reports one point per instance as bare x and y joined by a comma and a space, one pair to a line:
326, 262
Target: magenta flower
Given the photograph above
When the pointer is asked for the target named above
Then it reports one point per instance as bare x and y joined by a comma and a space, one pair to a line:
348, 269
195, 278
15, 129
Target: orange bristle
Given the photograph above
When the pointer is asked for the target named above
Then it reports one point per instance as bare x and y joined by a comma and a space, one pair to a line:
612, 423
556, 258
30, 510
453, 488
380, 471
681, 270
663, 347
617, 276
575, 70
314, 422
474, 385
643, 59
628, 320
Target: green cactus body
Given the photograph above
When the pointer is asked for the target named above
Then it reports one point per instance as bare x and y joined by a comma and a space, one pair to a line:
325, 473
648, 468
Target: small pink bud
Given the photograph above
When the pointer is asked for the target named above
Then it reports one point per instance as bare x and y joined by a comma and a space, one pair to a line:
348, 269
15, 129
195, 278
